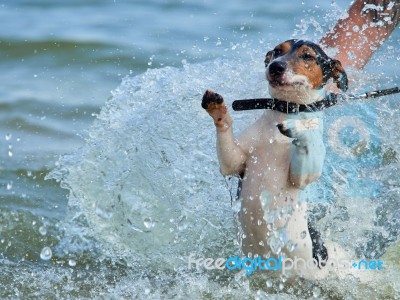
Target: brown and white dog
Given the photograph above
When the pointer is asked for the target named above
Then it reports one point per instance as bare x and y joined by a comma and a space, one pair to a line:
280, 153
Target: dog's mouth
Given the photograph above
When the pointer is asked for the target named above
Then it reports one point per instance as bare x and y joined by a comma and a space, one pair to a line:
280, 83
287, 80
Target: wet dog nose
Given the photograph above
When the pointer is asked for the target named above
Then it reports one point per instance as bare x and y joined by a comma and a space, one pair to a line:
277, 68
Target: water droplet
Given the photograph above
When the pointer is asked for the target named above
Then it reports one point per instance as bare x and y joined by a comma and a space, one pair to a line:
43, 230
29, 173
269, 283
236, 205
46, 253
151, 60
261, 243
290, 246
303, 234
281, 286
148, 223
316, 292
271, 141
72, 262
8, 136
9, 186
275, 244
10, 154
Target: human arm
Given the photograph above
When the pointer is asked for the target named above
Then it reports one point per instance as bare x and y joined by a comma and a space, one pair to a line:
357, 37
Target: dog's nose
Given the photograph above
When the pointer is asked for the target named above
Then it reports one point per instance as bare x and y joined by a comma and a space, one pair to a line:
277, 68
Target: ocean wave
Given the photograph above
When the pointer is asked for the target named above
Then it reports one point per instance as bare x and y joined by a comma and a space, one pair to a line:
68, 53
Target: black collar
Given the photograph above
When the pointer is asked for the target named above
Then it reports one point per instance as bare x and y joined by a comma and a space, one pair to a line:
284, 106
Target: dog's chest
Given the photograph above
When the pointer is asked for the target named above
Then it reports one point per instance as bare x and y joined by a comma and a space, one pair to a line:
270, 135
270, 149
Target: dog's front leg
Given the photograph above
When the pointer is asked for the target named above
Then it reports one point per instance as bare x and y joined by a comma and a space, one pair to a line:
307, 150
230, 155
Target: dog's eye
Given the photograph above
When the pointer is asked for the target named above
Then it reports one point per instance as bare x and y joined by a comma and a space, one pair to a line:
277, 52
307, 57
272, 55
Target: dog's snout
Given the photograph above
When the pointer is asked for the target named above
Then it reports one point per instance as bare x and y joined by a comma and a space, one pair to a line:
277, 68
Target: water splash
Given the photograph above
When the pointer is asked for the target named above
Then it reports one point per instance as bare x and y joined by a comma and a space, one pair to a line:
46, 253
147, 179
157, 163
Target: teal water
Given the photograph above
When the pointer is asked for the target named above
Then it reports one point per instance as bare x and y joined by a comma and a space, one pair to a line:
108, 159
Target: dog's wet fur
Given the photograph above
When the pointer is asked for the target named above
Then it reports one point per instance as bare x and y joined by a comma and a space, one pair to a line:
280, 154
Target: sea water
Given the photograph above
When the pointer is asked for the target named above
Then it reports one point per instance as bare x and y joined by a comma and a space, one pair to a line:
109, 176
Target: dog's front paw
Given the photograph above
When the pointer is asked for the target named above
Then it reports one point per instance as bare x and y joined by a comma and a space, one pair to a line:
210, 97
297, 128
214, 104
287, 128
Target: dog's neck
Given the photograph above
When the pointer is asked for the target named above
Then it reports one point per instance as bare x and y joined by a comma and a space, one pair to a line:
301, 95
287, 107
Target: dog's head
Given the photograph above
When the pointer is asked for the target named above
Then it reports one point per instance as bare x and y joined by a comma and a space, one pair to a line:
298, 70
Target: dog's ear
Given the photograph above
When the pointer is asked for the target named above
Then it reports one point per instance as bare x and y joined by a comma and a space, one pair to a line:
268, 57
339, 75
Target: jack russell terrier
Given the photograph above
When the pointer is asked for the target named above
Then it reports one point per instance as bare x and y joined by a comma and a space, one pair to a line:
280, 153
